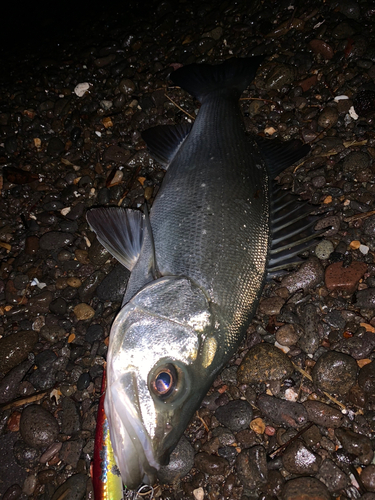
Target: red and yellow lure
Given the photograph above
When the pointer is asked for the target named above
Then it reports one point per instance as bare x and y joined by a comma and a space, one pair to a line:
105, 474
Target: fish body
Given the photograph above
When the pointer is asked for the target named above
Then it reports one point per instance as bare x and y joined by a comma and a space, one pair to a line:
198, 266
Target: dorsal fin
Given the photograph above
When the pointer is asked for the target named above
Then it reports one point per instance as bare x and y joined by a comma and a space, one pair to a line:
280, 155
120, 231
164, 141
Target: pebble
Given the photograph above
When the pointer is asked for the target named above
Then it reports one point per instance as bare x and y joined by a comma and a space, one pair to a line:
74, 488
305, 488
55, 239
366, 378
308, 276
236, 415
365, 299
324, 249
355, 443
279, 411
328, 117
211, 464
13, 493
264, 362
368, 477
38, 427
323, 414
369, 226
309, 341
10, 384
333, 477
251, 466
88, 288
271, 306
25, 455
286, 335
321, 47
356, 161
50, 452
31, 245
71, 451
114, 284
335, 373
338, 277
180, 463
280, 75
299, 459
84, 312
15, 348
39, 303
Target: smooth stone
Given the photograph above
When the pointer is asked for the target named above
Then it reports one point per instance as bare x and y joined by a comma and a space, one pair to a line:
236, 415
281, 411
366, 378
74, 488
299, 459
38, 427
39, 303
180, 463
251, 466
55, 239
333, 477
114, 284
271, 306
342, 278
15, 348
211, 464
309, 275
323, 414
305, 488
264, 362
368, 478
84, 312
286, 335
335, 373
357, 444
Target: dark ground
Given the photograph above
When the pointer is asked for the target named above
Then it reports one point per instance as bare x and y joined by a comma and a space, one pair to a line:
59, 151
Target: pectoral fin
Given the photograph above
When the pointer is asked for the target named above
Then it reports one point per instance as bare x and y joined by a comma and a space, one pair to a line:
120, 231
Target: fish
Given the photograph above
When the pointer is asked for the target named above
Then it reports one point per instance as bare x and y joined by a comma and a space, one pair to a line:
218, 228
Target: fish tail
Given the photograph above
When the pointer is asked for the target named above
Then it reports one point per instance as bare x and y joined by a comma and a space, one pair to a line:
234, 75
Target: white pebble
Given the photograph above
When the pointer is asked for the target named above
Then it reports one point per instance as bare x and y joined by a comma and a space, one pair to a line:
81, 89
198, 493
364, 249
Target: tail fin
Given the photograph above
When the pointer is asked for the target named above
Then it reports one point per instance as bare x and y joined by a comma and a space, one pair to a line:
201, 80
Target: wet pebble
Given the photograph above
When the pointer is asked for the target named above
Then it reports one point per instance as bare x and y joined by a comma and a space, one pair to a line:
368, 478
50, 452
74, 488
13, 493
84, 312
9, 385
286, 335
335, 373
264, 362
88, 288
324, 249
280, 75
25, 455
38, 427
40, 302
58, 306
355, 443
309, 341
71, 451
251, 466
83, 381
55, 239
338, 277
333, 477
328, 117
114, 284
366, 378
323, 414
15, 348
306, 488
271, 306
356, 161
365, 298
309, 275
236, 415
282, 412
299, 459
32, 245
211, 464
181, 462
70, 420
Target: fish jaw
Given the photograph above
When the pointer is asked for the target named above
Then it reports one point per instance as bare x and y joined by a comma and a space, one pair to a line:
145, 342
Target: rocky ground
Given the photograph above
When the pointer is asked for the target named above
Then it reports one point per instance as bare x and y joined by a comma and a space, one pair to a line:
279, 421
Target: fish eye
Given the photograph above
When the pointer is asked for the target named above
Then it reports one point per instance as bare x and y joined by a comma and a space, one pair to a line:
165, 381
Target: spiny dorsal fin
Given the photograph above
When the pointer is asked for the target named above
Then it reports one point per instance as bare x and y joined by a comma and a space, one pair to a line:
280, 155
164, 141
120, 231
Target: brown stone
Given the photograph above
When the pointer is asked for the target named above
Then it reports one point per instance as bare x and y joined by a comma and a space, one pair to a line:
342, 278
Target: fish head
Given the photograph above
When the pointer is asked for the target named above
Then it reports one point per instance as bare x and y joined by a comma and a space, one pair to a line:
158, 370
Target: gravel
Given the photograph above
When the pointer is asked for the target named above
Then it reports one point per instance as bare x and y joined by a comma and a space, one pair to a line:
77, 87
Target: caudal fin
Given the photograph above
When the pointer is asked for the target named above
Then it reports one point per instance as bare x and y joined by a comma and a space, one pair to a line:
234, 75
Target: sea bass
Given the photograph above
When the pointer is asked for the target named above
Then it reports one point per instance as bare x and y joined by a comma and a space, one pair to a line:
198, 264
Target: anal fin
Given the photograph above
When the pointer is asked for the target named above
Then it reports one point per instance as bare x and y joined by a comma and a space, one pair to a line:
292, 230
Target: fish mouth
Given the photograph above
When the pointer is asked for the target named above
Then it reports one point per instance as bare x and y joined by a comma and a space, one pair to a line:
131, 442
